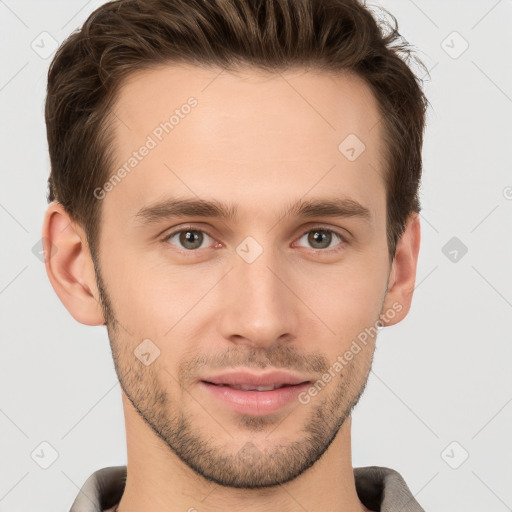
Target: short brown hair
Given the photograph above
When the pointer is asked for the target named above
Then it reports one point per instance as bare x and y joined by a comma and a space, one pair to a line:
124, 36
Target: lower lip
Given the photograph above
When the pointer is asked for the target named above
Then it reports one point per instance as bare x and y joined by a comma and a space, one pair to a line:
256, 403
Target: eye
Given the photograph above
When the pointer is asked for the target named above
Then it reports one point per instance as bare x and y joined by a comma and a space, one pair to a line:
188, 238
321, 238
191, 239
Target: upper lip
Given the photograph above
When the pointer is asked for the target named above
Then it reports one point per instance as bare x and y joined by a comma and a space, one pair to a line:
246, 378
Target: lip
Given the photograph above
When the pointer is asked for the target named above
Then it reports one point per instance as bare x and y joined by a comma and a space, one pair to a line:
246, 378
253, 402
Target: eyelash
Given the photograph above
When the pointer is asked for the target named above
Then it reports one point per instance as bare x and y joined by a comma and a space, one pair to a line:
337, 248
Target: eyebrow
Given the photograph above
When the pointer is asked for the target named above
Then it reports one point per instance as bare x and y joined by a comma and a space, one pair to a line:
175, 207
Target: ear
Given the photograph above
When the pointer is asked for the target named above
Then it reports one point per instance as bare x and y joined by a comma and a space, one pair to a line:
402, 276
69, 266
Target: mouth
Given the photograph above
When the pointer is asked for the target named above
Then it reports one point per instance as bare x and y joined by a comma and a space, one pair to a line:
246, 387
249, 381
255, 394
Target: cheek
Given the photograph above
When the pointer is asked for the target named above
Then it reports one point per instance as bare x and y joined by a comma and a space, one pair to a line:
159, 302
347, 297
134, 291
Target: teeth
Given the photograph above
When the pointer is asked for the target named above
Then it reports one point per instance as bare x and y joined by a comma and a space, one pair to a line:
255, 388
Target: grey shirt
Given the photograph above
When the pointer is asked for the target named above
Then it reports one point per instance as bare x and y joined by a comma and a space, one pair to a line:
379, 489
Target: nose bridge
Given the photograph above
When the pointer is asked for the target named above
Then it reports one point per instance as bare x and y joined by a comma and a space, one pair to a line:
259, 309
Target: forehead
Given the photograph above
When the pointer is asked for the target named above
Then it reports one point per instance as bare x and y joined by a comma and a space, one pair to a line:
213, 133
332, 102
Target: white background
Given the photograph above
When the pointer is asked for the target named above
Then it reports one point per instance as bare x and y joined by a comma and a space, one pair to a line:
442, 375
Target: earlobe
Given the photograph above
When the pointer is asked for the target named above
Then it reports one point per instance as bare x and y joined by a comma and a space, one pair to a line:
403, 273
70, 267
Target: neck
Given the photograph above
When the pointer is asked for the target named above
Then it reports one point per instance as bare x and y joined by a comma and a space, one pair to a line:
157, 480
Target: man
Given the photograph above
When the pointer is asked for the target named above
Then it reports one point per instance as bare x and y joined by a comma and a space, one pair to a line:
234, 194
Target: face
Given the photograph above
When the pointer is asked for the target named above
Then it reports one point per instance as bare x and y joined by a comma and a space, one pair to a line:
241, 256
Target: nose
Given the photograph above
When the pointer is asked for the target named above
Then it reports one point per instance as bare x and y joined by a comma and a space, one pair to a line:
259, 309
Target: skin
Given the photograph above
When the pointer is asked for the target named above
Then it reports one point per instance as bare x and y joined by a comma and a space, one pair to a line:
259, 141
